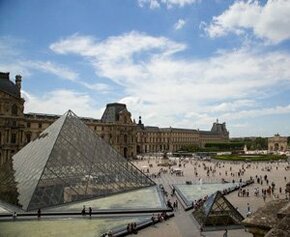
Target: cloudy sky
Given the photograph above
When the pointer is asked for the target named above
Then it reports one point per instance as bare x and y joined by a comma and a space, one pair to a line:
181, 63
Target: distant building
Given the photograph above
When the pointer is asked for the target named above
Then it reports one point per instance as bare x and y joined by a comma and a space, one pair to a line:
155, 139
277, 143
116, 127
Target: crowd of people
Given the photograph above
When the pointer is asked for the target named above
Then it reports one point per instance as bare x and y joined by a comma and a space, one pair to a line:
269, 178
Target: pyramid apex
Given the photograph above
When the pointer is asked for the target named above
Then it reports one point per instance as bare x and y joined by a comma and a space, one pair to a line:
69, 112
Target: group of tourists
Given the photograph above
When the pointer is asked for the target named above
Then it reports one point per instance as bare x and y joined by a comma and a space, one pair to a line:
159, 217
132, 228
84, 211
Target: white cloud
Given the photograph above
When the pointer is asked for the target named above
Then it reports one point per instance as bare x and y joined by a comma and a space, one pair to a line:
115, 47
269, 22
260, 112
26, 68
165, 89
233, 105
168, 3
99, 87
60, 101
12, 60
179, 24
49, 67
117, 56
14, 69
152, 3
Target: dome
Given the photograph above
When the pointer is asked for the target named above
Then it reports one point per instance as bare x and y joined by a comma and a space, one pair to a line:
8, 86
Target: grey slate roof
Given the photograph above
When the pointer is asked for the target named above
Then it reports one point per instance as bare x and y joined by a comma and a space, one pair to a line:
55, 116
112, 111
8, 86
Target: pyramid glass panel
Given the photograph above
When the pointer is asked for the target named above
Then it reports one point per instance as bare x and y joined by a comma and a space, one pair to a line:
217, 211
69, 162
191, 192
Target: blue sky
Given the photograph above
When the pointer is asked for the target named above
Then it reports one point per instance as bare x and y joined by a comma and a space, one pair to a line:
179, 63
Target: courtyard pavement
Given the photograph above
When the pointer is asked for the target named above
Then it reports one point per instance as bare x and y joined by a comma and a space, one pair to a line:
183, 224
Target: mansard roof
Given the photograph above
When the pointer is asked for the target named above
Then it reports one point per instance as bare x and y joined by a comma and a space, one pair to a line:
183, 130
53, 117
112, 111
8, 86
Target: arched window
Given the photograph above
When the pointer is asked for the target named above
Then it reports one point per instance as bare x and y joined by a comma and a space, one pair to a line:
125, 138
14, 109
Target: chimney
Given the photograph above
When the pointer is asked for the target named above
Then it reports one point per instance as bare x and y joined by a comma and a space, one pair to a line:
18, 82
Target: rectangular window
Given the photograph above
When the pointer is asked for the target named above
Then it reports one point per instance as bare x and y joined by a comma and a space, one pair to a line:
13, 138
40, 125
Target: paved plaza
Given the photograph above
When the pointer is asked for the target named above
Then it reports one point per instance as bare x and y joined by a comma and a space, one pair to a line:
183, 224
200, 173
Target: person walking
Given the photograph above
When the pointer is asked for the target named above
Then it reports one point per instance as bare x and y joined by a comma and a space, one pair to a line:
90, 211
38, 214
14, 216
201, 231
226, 233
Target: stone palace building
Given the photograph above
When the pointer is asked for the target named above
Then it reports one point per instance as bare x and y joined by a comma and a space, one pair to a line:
277, 143
116, 127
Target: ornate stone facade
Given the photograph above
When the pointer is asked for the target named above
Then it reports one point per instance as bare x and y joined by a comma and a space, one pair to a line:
116, 127
277, 143
12, 121
155, 139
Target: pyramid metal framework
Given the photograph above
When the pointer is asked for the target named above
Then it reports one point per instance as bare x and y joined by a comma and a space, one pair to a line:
69, 162
216, 212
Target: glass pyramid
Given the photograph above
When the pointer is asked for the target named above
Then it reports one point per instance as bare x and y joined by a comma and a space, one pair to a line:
69, 162
217, 211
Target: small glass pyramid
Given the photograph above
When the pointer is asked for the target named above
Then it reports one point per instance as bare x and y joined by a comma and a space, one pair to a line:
69, 162
217, 211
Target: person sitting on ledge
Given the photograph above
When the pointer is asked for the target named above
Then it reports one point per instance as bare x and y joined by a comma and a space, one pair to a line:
14, 216
153, 219
90, 211
84, 211
129, 229
160, 217
169, 204
134, 225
